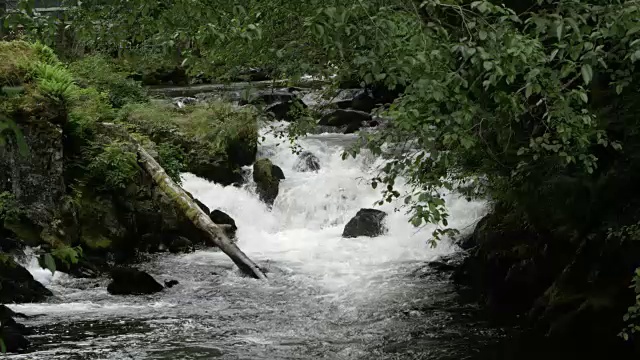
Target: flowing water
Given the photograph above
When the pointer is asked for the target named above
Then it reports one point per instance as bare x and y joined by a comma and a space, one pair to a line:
326, 297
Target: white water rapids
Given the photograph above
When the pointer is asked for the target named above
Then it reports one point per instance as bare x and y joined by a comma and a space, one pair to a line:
326, 297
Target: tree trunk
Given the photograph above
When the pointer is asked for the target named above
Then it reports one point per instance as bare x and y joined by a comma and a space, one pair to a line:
196, 215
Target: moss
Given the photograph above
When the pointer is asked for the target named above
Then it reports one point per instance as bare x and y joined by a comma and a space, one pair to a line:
14, 59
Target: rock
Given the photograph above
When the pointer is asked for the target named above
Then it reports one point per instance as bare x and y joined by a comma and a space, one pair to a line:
268, 97
277, 172
36, 181
253, 74
221, 218
13, 340
182, 102
363, 101
342, 117
17, 285
286, 110
171, 283
202, 206
267, 182
307, 161
129, 281
355, 99
367, 222
180, 244
352, 128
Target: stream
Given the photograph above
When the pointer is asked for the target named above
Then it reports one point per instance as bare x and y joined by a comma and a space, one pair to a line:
326, 297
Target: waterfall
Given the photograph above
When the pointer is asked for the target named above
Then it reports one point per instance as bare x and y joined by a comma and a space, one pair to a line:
326, 296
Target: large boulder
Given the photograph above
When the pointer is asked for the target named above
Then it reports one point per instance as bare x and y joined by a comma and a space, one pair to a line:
221, 218
342, 117
267, 181
17, 285
307, 161
129, 281
367, 222
355, 99
34, 179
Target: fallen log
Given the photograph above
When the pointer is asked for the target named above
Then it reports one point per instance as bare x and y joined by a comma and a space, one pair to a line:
194, 213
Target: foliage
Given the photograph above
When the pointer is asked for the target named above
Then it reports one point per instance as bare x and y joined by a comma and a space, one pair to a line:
66, 255
114, 166
633, 315
8, 206
99, 72
33, 25
172, 160
218, 125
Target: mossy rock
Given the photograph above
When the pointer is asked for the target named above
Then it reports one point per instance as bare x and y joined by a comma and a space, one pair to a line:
267, 181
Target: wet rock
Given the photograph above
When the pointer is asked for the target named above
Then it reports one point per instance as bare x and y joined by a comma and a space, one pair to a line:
36, 181
267, 183
307, 161
367, 222
180, 244
129, 281
277, 172
221, 218
355, 99
342, 117
13, 340
171, 283
352, 128
202, 206
17, 285
286, 110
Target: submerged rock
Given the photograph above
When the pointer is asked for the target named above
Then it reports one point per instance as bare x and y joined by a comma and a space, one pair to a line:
367, 222
171, 283
267, 182
17, 285
129, 281
307, 161
221, 218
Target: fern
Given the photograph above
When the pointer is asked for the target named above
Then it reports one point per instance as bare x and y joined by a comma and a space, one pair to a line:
54, 82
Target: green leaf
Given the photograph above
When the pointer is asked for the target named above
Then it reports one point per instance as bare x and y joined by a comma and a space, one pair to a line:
482, 35
584, 97
50, 263
633, 30
587, 73
559, 28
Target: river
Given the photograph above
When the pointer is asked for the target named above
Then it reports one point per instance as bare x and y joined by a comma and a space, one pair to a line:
326, 297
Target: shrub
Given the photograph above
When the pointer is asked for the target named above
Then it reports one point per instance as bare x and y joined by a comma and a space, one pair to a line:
104, 75
114, 166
